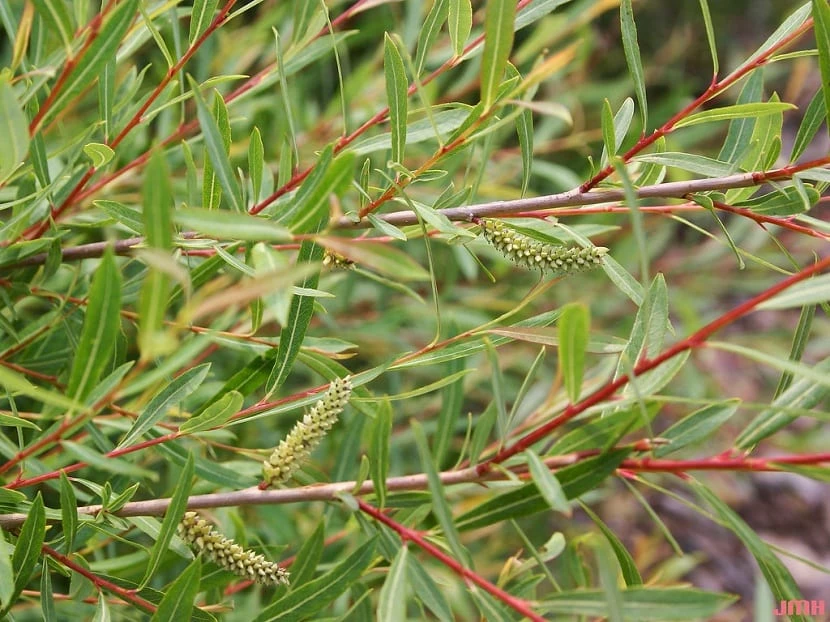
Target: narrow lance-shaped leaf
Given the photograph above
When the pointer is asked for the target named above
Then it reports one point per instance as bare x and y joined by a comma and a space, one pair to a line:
498, 41
574, 325
379, 450
201, 16
175, 511
27, 549
14, 133
710, 35
737, 111
821, 29
459, 22
177, 603
396, 95
632, 57
299, 317
256, 158
172, 393
158, 204
392, 600
100, 330
304, 602
429, 32
779, 579
227, 225
216, 133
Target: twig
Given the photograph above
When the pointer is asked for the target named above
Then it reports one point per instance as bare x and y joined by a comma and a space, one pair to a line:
330, 492
571, 198
407, 534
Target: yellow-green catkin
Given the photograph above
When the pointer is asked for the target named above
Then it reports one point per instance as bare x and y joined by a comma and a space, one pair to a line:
306, 434
537, 255
227, 554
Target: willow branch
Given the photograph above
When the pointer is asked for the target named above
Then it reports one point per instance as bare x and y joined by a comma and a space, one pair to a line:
330, 492
570, 199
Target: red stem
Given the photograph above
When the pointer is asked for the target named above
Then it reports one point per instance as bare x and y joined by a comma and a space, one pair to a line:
128, 595
406, 534
713, 89
693, 341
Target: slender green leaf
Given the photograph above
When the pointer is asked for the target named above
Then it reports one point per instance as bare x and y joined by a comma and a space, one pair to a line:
177, 603
821, 29
311, 204
698, 164
427, 591
737, 111
814, 116
429, 32
27, 548
305, 602
305, 563
393, 593
802, 395
710, 35
440, 507
574, 326
101, 327
226, 225
801, 338
778, 578
549, 487
498, 41
385, 228
739, 135
256, 158
216, 134
172, 393
697, 426
576, 479
632, 57
396, 96
69, 512
158, 205
643, 604
379, 449
175, 511
17, 383
214, 415
524, 128
378, 256
6, 574
629, 568
786, 201
201, 16
14, 133
812, 291
459, 24
299, 317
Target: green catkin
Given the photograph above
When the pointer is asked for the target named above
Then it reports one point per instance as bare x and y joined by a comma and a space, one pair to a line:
536, 255
226, 553
306, 434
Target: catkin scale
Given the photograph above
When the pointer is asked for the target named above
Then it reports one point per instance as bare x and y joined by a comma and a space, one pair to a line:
227, 554
537, 255
306, 434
